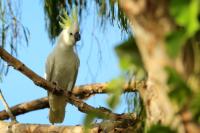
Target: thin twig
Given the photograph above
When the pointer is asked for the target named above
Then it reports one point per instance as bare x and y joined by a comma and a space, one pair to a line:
12, 117
10, 9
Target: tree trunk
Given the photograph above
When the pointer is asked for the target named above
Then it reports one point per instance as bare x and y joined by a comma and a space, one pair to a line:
150, 22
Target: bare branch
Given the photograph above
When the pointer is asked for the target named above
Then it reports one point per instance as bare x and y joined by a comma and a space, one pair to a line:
26, 107
101, 112
85, 91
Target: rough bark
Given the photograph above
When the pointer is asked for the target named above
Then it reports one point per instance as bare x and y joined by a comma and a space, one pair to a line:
105, 126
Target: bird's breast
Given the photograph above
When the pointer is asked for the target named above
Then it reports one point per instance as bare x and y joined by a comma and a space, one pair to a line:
64, 70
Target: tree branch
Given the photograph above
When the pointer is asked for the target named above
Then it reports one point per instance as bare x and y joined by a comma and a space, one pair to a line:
83, 91
105, 126
6, 127
101, 112
26, 107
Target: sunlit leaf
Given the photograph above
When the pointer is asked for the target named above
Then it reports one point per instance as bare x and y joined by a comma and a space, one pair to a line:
129, 55
115, 90
180, 12
194, 12
130, 58
185, 13
89, 118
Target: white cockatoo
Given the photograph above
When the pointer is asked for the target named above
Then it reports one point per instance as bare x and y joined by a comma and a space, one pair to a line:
62, 65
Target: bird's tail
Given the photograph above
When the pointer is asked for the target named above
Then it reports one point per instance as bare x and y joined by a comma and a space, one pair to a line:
57, 105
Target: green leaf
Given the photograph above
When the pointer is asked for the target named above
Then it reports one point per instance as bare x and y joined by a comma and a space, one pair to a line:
179, 10
160, 129
129, 55
88, 121
179, 90
185, 14
175, 40
193, 24
115, 90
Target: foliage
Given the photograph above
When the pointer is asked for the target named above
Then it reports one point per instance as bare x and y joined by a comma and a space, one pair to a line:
179, 90
175, 41
186, 15
12, 31
53, 10
89, 118
131, 62
184, 41
160, 129
107, 10
115, 89
130, 59
195, 107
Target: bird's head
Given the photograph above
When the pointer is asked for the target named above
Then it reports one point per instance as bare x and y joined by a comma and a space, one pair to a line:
70, 33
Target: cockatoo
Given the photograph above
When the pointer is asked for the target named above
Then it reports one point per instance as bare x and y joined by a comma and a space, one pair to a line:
62, 65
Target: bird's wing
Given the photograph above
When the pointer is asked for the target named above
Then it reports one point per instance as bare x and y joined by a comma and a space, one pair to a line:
49, 67
76, 71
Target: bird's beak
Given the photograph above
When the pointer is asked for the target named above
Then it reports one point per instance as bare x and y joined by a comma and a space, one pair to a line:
77, 36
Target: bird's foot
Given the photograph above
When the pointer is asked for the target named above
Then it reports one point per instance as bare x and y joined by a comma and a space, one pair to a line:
55, 83
56, 88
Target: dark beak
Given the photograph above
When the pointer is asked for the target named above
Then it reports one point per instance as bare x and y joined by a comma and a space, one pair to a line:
77, 37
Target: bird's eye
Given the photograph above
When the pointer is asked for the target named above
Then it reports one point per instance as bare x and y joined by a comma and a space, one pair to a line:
70, 34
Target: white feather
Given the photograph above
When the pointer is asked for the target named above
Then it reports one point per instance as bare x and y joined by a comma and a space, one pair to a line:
45, 76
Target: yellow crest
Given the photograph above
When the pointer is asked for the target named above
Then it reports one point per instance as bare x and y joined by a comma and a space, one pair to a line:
67, 21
